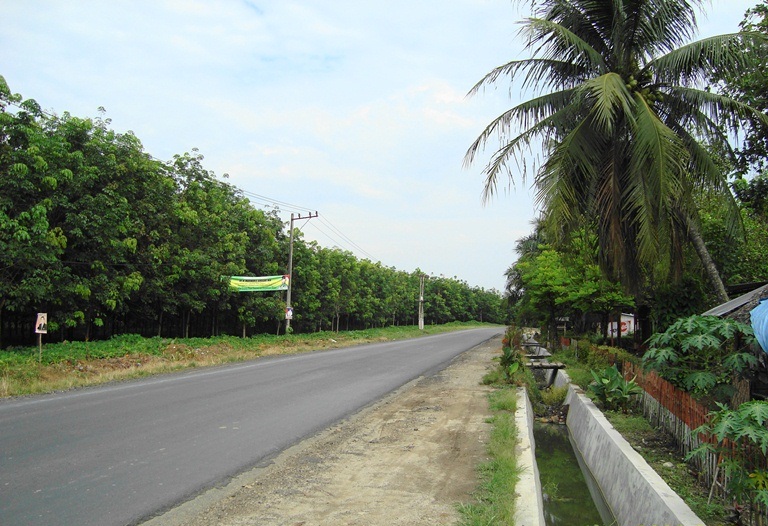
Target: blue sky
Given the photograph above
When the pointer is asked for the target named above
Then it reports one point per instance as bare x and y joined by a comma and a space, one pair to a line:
354, 109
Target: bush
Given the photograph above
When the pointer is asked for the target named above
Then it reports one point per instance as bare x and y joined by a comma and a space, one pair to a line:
702, 354
612, 390
745, 428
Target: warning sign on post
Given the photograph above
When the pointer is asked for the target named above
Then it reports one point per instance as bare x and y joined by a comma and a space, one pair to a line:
41, 325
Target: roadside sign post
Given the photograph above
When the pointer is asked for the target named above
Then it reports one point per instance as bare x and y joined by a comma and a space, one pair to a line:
41, 327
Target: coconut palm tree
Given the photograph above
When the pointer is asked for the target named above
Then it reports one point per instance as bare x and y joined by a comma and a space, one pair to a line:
621, 116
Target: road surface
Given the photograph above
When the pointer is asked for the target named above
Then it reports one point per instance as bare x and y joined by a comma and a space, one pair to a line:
120, 454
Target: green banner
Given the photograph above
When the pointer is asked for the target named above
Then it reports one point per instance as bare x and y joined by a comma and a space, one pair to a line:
259, 284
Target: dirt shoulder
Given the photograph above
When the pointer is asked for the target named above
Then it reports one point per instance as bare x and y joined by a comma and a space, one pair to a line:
407, 460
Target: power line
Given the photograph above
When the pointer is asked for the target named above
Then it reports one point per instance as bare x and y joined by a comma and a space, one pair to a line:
297, 208
270, 200
347, 239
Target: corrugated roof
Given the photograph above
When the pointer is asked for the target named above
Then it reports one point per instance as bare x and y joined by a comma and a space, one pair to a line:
736, 303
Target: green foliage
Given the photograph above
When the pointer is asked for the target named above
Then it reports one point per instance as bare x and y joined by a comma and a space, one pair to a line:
748, 85
498, 476
554, 396
612, 390
746, 428
740, 258
702, 354
554, 281
108, 240
621, 125
512, 357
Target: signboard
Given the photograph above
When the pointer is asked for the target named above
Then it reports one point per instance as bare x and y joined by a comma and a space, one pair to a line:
41, 325
259, 283
289, 313
626, 325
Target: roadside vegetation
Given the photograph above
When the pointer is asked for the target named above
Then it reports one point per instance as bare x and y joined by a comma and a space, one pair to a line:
108, 240
68, 365
649, 236
494, 499
592, 368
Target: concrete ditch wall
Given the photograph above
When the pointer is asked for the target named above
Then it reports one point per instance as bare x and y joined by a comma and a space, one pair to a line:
529, 507
636, 494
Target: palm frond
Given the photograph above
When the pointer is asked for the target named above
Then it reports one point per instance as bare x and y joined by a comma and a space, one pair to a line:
661, 26
656, 174
540, 73
565, 181
537, 116
717, 107
706, 176
611, 100
695, 63
551, 40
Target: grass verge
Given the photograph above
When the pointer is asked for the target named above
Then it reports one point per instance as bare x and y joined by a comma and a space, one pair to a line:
495, 497
69, 365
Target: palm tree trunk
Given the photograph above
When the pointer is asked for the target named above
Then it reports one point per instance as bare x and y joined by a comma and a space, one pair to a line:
709, 266
694, 234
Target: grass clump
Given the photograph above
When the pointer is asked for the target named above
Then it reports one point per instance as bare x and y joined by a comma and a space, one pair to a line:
495, 498
554, 396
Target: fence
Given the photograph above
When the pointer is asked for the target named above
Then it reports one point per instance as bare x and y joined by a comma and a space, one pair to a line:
679, 413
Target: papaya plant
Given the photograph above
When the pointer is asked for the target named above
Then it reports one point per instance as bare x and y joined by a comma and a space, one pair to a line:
743, 465
702, 355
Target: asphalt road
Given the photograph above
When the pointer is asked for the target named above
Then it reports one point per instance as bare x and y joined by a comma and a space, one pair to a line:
123, 453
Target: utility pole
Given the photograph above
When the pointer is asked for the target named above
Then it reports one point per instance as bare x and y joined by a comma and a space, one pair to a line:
421, 302
288, 308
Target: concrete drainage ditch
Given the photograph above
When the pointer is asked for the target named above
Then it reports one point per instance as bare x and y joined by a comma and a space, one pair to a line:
633, 491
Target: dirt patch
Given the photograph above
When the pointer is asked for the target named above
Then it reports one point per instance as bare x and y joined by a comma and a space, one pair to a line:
408, 460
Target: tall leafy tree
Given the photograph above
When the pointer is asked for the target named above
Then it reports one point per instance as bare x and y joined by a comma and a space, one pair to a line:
620, 114
30, 246
750, 85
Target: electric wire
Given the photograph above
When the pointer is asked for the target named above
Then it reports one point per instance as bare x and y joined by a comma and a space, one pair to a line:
268, 201
334, 233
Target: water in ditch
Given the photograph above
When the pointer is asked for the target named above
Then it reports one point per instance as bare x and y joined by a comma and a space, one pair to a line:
571, 498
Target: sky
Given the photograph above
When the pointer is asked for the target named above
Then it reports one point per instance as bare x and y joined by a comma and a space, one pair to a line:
355, 109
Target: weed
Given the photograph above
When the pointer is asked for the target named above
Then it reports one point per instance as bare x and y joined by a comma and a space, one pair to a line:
554, 396
499, 476
612, 390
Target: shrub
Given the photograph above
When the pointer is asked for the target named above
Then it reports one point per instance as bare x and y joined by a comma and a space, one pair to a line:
612, 390
746, 428
511, 352
702, 355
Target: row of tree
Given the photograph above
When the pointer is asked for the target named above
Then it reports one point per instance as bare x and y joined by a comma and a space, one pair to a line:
107, 239
633, 119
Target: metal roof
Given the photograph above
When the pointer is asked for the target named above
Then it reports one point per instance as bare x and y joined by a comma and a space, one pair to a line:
732, 305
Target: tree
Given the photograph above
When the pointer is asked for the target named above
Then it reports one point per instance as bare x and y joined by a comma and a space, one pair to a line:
619, 116
750, 86
30, 246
